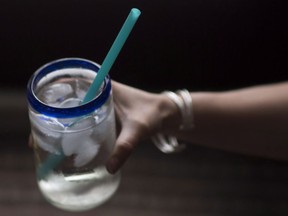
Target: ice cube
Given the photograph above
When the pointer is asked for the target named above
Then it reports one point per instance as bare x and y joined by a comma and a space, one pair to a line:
82, 123
47, 143
46, 124
70, 143
47, 140
80, 93
48, 132
85, 154
56, 93
70, 102
81, 145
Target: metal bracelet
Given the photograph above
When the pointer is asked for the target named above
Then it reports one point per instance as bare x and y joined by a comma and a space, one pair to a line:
170, 144
187, 118
167, 144
183, 100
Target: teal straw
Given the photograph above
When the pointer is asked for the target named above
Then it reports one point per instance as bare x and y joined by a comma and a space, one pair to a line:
112, 54
54, 160
51, 162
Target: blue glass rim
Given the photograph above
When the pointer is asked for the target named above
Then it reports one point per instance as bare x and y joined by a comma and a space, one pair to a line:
69, 112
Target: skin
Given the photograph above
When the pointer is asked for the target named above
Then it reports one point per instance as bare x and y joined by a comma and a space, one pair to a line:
252, 120
140, 115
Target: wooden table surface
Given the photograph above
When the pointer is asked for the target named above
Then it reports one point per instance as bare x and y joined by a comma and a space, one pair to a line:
197, 182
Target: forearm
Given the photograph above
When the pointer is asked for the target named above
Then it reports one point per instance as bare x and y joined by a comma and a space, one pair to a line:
251, 121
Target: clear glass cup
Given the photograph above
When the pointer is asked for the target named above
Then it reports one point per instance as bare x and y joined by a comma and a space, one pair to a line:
72, 141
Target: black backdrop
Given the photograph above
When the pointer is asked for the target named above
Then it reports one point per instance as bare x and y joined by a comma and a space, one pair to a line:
197, 44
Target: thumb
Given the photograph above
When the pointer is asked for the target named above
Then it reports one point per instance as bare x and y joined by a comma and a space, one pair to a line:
125, 144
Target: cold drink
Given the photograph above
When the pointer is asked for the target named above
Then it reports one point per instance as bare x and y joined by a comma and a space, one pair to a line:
72, 141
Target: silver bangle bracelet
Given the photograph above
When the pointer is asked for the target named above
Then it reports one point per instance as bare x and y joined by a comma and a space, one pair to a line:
168, 144
187, 117
183, 100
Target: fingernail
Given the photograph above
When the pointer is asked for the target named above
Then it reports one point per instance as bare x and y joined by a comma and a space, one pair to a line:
112, 166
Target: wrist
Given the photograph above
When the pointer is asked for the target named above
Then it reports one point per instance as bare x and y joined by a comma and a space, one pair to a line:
170, 114
180, 115
183, 101
177, 115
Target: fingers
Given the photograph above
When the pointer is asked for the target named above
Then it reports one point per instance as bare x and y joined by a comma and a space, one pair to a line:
125, 144
135, 120
121, 154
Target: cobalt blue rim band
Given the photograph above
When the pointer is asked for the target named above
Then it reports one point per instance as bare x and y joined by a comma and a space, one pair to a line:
81, 110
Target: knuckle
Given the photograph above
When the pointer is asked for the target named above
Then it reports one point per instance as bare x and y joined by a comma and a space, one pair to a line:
125, 147
141, 126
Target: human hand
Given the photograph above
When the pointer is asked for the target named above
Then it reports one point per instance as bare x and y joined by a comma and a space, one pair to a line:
141, 115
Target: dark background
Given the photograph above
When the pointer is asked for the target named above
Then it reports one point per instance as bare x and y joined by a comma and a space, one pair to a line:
196, 44
199, 44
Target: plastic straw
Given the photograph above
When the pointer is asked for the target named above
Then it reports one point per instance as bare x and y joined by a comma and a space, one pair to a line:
112, 54
54, 160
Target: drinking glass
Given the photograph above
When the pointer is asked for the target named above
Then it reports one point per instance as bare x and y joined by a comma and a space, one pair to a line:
72, 140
